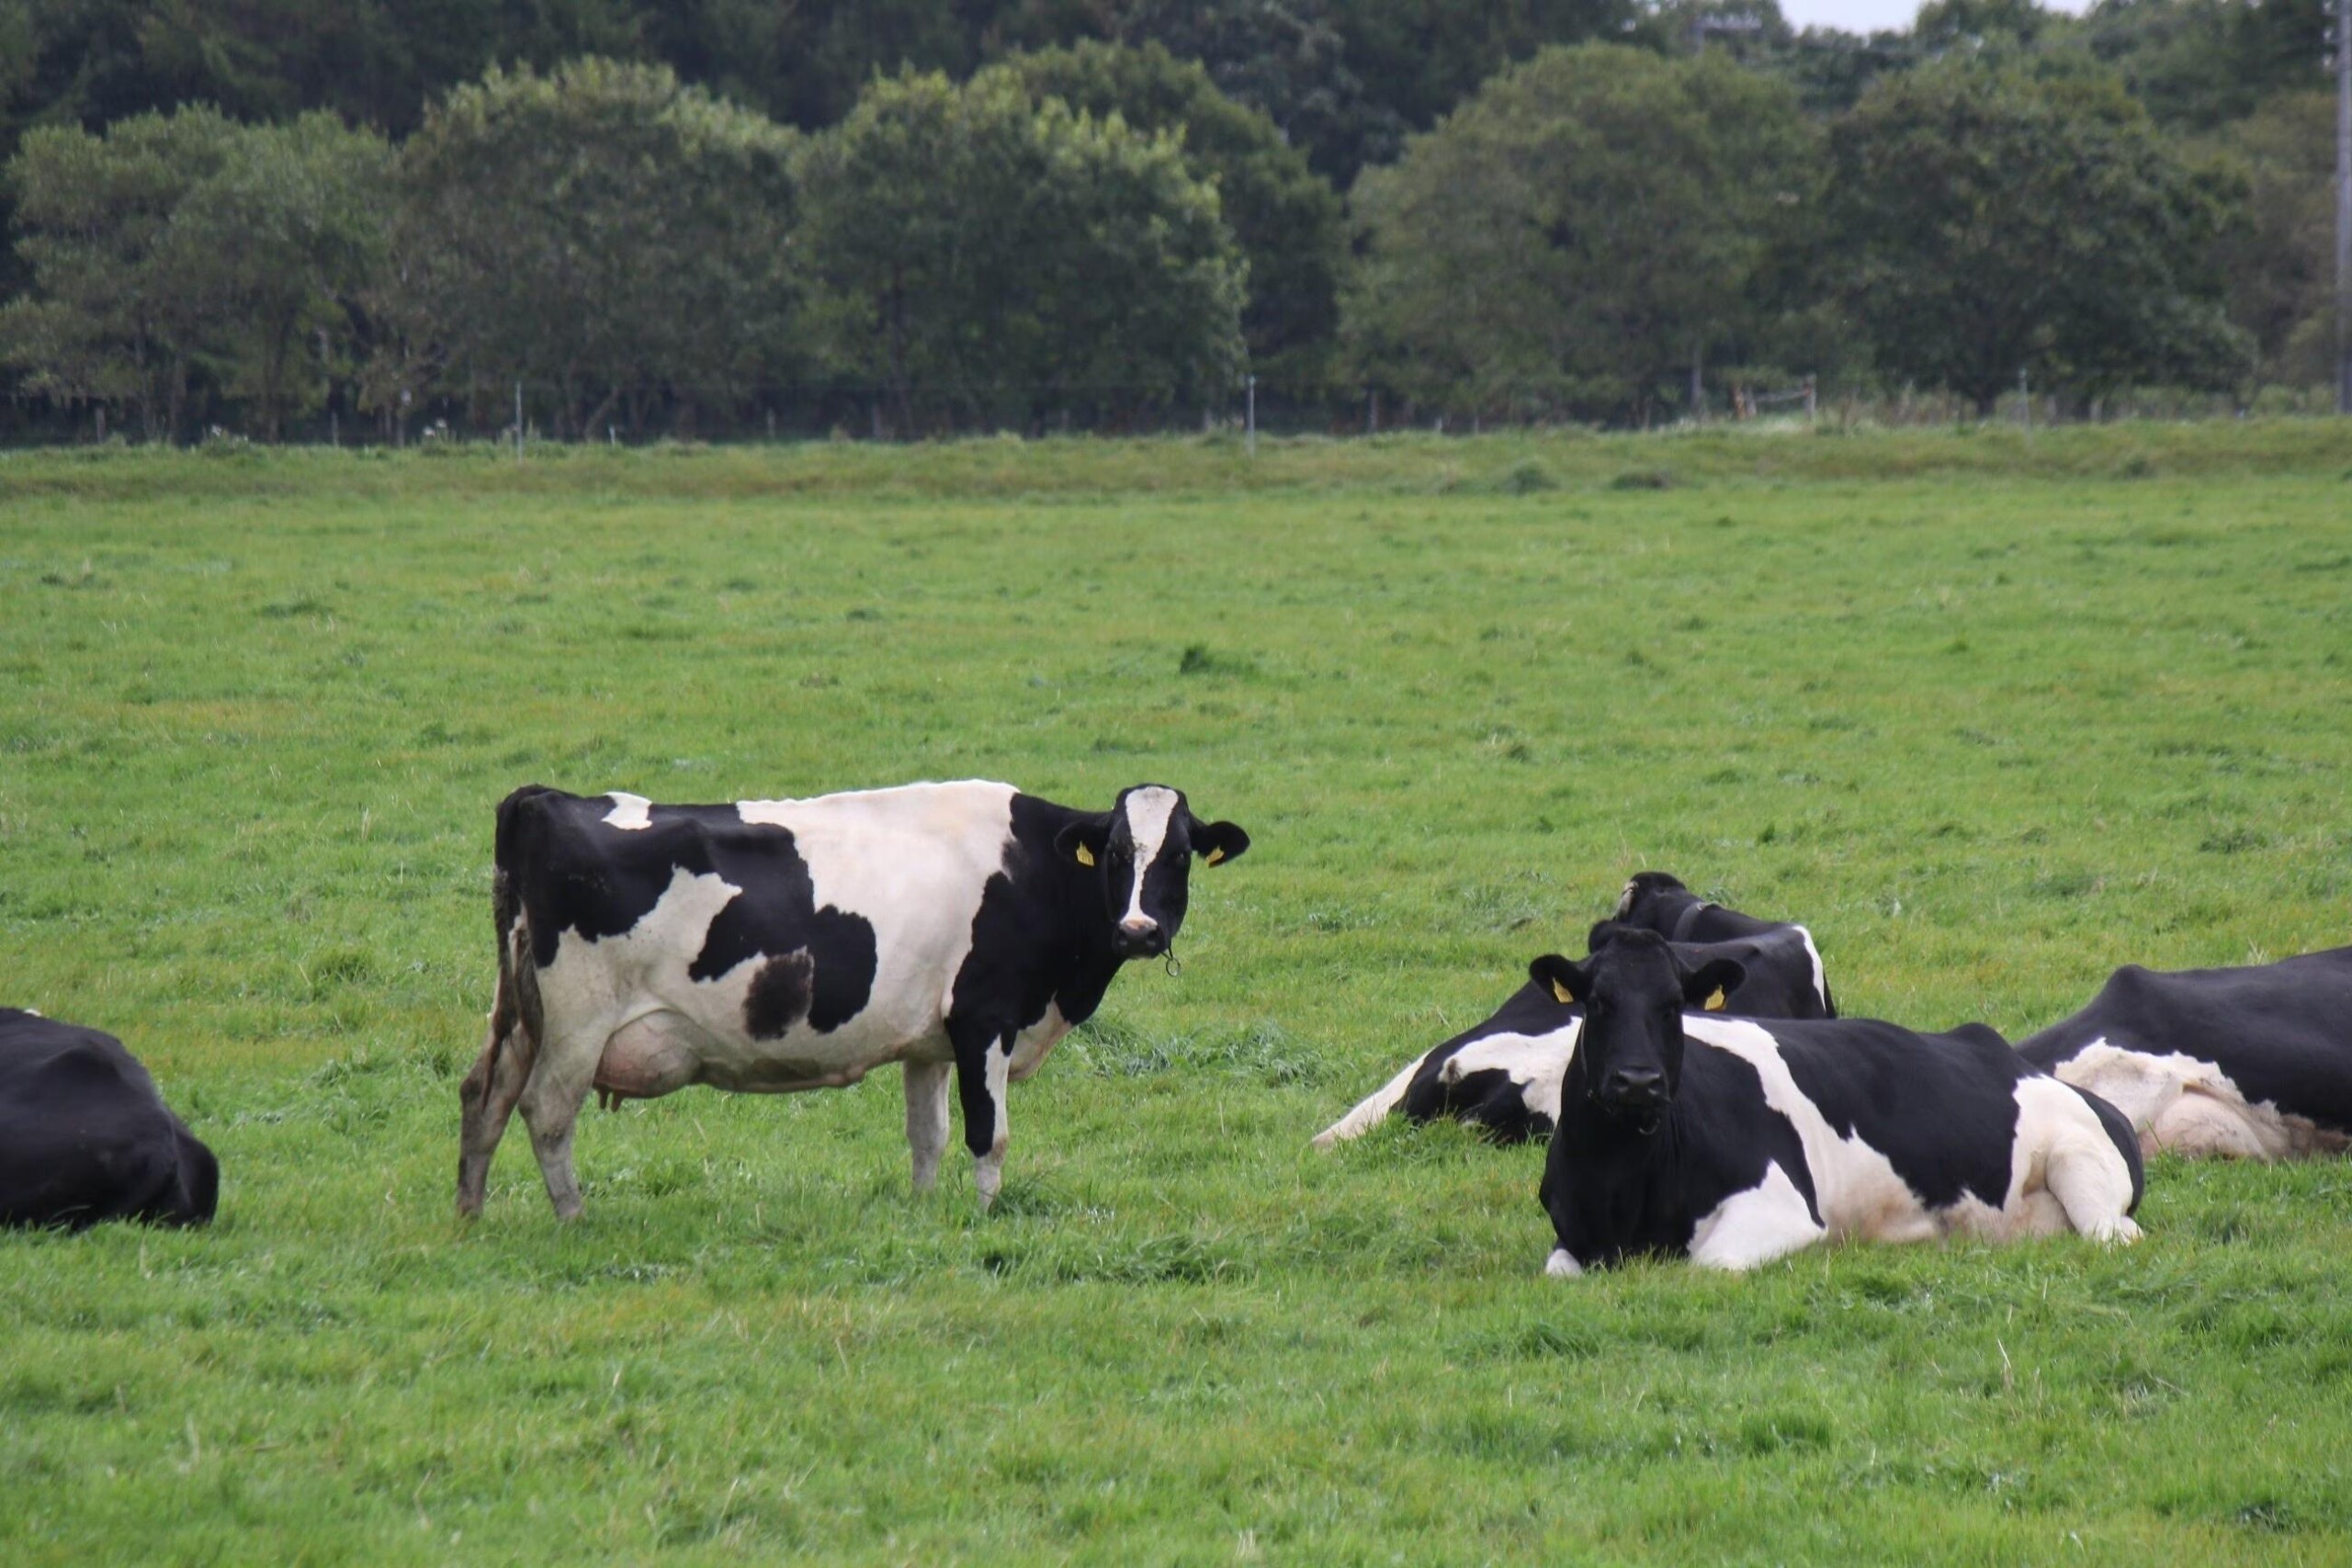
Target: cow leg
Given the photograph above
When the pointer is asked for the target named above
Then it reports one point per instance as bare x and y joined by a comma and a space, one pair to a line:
550, 1106
1749, 1229
2094, 1185
487, 1098
927, 1118
982, 1056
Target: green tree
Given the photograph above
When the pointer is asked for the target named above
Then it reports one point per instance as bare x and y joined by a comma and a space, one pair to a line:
287, 233
1574, 234
601, 232
2197, 64
122, 303
983, 259
1994, 221
2280, 260
1287, 219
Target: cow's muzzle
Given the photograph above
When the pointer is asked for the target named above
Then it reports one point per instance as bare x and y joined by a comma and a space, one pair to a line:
1139, 939
1636, 1095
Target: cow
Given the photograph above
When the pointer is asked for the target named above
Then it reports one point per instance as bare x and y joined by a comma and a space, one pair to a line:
769, 946
1794, 985
2252, 1063
85, 1138
1734, 1141
1502, 1075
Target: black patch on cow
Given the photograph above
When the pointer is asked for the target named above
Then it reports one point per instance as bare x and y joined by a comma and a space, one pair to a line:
778, 996
1489, 1099
85, 1138
1941, 1108
1613, 1192
2282, 1032
576, 874
1042, 933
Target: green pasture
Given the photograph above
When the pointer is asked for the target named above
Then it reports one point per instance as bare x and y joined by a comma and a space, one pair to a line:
1993, 714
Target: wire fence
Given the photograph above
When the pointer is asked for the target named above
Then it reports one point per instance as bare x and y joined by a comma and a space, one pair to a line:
636, 415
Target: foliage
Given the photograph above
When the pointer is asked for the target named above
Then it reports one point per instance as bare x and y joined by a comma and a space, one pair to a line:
1979, 732
601, 230
1284, 219
981, 259
1586, 224
2200, 64
1996, 222
121, 307
184, 246
2279, 258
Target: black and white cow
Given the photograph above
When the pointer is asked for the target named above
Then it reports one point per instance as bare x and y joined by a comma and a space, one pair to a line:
1734, 1141
1792, 983
85, 1138
2253, 1063
775, 945
1503, 1074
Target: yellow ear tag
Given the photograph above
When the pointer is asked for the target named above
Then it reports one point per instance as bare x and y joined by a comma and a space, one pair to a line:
1216, 855
1715, 1002
1085, 855
1562, 992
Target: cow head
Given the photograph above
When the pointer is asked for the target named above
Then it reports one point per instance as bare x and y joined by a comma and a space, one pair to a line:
1142, 851
1639, 904
1633, 988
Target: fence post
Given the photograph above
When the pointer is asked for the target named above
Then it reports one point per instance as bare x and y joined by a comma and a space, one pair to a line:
1812, 401
518, 422
1249, 403
2025, 403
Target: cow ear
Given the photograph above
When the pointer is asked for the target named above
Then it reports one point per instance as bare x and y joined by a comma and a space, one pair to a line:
1084, 841
1568, 982
1217, 843
1709, 985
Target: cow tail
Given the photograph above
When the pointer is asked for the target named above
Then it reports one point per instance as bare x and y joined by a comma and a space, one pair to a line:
1371, 1111
517, 1004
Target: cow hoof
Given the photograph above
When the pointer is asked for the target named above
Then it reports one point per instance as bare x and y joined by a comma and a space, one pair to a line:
1560, 1266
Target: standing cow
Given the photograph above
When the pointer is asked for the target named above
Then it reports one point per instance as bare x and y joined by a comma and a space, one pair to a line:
2253, 1063
774, 945
1734, 1142
85, 1138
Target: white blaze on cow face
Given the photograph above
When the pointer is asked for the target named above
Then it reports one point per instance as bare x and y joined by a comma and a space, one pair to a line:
630, 813
1149, 810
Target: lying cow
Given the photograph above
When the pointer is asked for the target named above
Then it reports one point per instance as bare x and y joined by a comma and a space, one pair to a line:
2253, 1062
775, 945
1502, 1075
1792, 985
1734, 1142
85, 1138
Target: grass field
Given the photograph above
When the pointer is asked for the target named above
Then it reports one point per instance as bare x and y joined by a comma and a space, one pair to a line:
1992, 715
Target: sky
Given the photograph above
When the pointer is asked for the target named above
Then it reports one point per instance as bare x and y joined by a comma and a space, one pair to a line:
1876, 15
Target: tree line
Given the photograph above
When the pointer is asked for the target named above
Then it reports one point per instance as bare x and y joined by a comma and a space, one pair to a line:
913, 218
